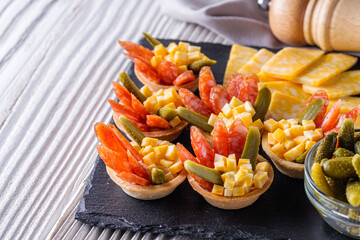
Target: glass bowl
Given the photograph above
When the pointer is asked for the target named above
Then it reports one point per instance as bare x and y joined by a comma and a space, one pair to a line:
340, 215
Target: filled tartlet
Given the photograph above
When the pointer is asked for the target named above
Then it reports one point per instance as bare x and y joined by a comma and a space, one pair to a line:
145, 169
231, 175
175, 65
141, 107
288, 141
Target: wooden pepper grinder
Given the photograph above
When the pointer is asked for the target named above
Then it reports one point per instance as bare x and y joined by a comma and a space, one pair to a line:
333, 25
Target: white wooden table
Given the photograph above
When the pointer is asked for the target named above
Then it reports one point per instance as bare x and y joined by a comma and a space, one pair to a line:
57, 61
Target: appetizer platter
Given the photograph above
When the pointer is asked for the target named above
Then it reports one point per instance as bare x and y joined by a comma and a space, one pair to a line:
229, 182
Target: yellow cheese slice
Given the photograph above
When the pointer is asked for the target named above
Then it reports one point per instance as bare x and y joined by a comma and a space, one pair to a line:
327, 67
284, 106
289, 62
286, 87
343, 84
239, 55
255, 64
265, 78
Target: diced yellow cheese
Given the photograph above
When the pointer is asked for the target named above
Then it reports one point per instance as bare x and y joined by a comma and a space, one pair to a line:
159, 92
238, 109
182, 68
343, 84
293, 122
249, 108
323, 70
244, 180
175, 121
245, 117
151, 105
320, 132
309, 144
149, 141
163, 142
238, 191
279, 135
160, 50
193, 48
287, 133
171, 105
172, 48
260, 179
262, 167
312, 135
308, 124
242, 161
247, 167
166, 163
150, 158
217, 189
232, 156
296, 130
169, 176
255, 64
295, 152
278, 149
289, 144
283, 124
286, 87
228, 192
212, 119
160, 151
220, 165
136, 146
171, 153
146, 91
226, 110
230, 164
183, 46
258, 123
271, 125
284, 106
176, 167
235, 102
271, 139
169, 57
156, 60
150, 167
239, 55
229, 183
226, 175
146, 150
180, 58
193, 56
289, 62
300, 139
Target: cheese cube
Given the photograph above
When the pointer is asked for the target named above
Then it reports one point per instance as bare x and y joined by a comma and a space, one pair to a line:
151, 105
226, 175
219, 158
235, 102
149, 141
229, 183
245, 117
156, 60
246, 167
295, 152
146, 91
271, 139
217, 189
311, 135
160, 151
146, 150
238, 109
279, 135
278, 149
169, 57
171, 105
230, 164
212, 119
262, 167
289, 144
183, 46
227, 110
258, 123
160, 50
300, 139
220, 166
232, 156
229, 122
150, 159
295, 131
182, 68
308, 124
309, 144
175, 121
193, 48
242, 161
293, 122
166, 163
180, 58
320, 133
228, 192
171, 153
287, 133
283, 124
150, 167
221, 115
172, 48
260, 179
163, 142
169, 176
176, 167
238, 191
249, 108
193, 56
244, 180
159, 92
271, 125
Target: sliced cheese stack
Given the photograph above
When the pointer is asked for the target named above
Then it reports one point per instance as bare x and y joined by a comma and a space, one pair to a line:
238, 176
289, 140
162, 155
237, 109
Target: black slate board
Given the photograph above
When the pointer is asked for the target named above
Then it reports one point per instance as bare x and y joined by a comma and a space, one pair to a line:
283, 212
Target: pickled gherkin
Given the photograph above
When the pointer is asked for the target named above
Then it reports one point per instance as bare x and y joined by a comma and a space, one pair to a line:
251, 147
357, 137
353, 192
346, 134
326, 147
209, 174
318, 176
356, 164
153, 41
131, 87
197, 65
338, 187
131, 130
157, 176
194, 118
301, 158
343, 152
312, 110
357, 147
167, 113
339, 168
262, 103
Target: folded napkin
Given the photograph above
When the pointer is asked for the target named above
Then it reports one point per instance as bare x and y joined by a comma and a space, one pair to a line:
240, 21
